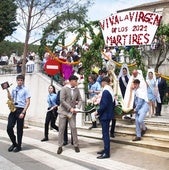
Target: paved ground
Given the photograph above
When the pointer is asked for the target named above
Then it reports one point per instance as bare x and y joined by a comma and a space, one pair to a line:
42, 156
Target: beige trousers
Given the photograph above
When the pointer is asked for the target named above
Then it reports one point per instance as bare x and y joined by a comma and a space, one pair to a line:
72, 125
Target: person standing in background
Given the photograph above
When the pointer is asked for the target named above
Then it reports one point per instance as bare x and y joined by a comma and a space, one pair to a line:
21, 98
162, 86
152, 91
123, 79
94, 88
19, 66
51, 114
30, 65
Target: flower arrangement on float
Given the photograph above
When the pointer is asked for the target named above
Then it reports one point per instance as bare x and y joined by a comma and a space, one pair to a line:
93, 103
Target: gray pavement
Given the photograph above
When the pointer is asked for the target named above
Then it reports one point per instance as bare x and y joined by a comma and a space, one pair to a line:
42, 155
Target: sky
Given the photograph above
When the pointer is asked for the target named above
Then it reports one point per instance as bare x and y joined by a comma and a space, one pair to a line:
100, 10
103, 8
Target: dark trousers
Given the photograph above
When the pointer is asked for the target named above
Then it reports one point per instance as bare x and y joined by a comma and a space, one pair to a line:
159, 105
112, 129
13, 118
66, 134
51, 116
106, 137
158, 109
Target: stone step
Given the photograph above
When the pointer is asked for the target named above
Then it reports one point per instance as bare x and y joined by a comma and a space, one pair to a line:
156, 137
155, 129
156, 142
151, 132
155, 133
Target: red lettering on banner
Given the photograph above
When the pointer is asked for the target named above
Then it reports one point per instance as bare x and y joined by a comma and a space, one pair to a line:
107, 23
116, 20
130, 28
141, 17
131, 15
134, 39
111, 19
102, 25
157, 20
148, 18
126, 17
136, 16
146, 38
124, 37
137, 39
114, 30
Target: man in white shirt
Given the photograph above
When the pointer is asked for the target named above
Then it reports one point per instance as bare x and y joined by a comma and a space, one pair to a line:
30, 65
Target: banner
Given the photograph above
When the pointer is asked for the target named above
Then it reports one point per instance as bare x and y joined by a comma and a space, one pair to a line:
130, 28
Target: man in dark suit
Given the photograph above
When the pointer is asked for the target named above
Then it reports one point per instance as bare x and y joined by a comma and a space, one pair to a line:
162, 85
106, 114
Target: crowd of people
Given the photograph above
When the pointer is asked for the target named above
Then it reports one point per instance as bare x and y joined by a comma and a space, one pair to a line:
143, 96
17, 61
29, 65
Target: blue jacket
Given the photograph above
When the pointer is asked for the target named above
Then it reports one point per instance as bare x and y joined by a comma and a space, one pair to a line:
106, 108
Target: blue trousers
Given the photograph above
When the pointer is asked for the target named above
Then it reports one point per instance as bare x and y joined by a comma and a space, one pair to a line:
139, 119
106, 137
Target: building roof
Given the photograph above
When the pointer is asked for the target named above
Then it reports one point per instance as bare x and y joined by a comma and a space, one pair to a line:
150, 4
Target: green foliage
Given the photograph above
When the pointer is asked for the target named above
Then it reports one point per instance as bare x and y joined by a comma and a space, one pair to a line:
57, 30
7, 18
166, 99
7, 47
92, 57
163, 29
135, 55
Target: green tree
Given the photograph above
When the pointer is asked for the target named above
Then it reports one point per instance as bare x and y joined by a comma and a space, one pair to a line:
7, 18
35, 15
161, 43
8, 47
57, 30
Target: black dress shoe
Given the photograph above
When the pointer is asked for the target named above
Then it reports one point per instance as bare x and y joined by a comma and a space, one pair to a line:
103, 156
44, 139
59, 150
17, 149
112, 135
100, 152
137, 139
11, 148
77, 149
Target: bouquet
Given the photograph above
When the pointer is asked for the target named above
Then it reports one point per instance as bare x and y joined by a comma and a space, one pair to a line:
93, 103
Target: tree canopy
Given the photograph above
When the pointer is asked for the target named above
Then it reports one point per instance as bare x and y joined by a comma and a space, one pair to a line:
35, 15
8, 21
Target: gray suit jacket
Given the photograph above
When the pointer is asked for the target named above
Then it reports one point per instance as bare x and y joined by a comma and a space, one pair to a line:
69, 98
